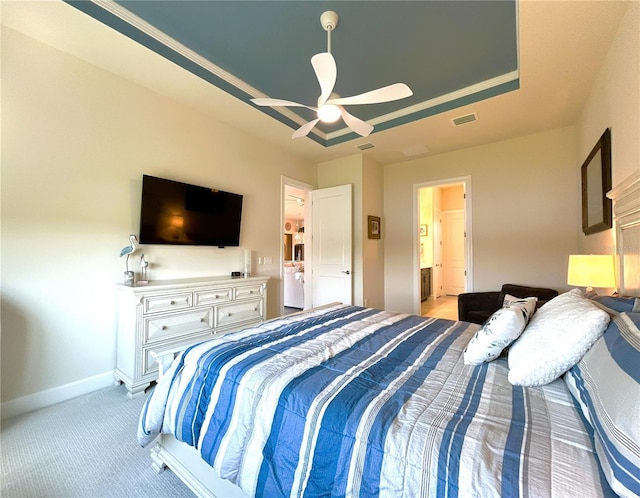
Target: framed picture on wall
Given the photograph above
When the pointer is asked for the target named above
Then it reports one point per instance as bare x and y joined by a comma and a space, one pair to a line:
596, 182
374, 228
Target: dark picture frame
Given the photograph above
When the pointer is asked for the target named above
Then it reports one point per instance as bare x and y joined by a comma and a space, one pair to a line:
596, 182
374, 228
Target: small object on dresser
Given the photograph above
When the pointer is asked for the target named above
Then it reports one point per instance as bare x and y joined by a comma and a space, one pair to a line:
247, 263
144, 271
128, 251
128, 278
236, 274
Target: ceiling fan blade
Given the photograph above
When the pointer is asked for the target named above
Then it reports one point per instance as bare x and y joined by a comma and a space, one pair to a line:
326, 71
356, 124
385, 94
279, 103
304, 129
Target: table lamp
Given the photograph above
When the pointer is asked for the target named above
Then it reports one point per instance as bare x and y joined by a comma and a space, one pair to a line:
591, 270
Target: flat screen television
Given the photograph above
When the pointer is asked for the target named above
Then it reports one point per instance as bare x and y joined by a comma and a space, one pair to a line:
177, 213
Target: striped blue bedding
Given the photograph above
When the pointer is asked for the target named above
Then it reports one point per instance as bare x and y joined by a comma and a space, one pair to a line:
351, 401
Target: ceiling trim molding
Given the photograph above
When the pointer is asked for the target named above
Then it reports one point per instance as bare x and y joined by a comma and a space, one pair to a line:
455, 96
128, 24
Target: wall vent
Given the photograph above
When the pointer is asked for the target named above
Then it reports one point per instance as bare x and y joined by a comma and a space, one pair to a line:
468, 118
365, 146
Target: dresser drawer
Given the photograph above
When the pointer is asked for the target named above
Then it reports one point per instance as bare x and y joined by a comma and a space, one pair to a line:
204, 297
167, 302
249, 291
239, 312
149, 361
174, 325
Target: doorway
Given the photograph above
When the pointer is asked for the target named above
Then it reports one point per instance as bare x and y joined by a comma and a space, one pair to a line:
443, 246
295, 214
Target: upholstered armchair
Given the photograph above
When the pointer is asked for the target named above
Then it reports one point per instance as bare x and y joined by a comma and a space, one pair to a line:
477, 307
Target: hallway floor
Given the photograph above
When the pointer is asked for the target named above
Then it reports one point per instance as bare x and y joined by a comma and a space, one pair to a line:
442, 307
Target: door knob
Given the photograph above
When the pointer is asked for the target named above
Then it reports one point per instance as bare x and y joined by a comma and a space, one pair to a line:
346, 272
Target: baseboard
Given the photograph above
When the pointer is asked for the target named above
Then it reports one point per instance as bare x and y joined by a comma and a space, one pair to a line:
55, 395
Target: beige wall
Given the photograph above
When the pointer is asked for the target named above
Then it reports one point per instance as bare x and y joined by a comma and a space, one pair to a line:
372, 249
524, 201
614, 103
426, 218
75, 143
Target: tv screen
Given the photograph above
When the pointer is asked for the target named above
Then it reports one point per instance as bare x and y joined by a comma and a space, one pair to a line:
182, 214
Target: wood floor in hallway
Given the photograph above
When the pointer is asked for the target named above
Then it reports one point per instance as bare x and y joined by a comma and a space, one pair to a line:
442, 307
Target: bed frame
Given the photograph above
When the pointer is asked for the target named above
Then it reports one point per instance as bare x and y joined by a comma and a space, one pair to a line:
185, 461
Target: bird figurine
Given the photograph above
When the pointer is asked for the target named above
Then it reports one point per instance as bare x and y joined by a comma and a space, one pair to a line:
130, 249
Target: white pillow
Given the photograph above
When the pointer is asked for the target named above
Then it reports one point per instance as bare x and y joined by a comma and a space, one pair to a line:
500, 330
557, 337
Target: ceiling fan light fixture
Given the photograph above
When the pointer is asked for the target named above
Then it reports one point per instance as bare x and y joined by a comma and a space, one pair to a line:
329, 113
330, 108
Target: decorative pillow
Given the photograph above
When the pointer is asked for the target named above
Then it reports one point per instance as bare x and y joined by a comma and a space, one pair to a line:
500, 330
606, 385
617, 304
559, 334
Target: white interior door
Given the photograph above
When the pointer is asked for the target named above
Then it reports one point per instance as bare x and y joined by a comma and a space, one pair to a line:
331, 230
453, 252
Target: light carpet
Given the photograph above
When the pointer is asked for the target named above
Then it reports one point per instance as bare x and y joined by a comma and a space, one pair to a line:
84, 447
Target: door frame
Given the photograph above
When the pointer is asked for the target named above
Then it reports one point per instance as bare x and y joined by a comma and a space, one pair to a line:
468, 245
286, 181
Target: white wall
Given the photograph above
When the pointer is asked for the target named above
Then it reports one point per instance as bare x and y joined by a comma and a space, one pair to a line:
524, 211
75, 143
614, 102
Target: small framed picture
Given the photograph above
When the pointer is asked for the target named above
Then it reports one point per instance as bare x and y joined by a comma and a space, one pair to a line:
374, 227
424, 230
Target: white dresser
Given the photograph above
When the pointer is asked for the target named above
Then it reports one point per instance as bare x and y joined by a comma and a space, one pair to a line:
169, 315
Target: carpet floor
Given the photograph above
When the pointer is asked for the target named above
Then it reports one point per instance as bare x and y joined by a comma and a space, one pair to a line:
84, 447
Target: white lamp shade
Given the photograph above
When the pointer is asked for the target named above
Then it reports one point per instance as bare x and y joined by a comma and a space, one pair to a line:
592, 270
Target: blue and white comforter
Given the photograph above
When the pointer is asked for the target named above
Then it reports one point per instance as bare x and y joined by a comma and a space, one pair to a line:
350, 401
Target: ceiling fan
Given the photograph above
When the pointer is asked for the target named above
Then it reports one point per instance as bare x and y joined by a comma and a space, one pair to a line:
330, 106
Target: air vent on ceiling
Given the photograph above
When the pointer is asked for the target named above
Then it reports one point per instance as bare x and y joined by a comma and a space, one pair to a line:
365, 146
468, 118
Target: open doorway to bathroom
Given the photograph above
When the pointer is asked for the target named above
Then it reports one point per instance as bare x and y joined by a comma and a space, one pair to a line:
444, 246
295, 213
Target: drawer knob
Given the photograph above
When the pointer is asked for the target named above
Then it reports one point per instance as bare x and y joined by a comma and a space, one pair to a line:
164, 327
215, 296
250, 292
172, 303
202, 319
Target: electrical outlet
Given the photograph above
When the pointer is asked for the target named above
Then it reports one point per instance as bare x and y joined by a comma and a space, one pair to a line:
268, 260
259, 260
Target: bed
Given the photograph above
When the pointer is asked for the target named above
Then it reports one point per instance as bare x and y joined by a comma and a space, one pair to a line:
352, 401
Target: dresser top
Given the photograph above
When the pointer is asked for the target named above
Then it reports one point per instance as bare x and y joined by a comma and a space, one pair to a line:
180, 283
